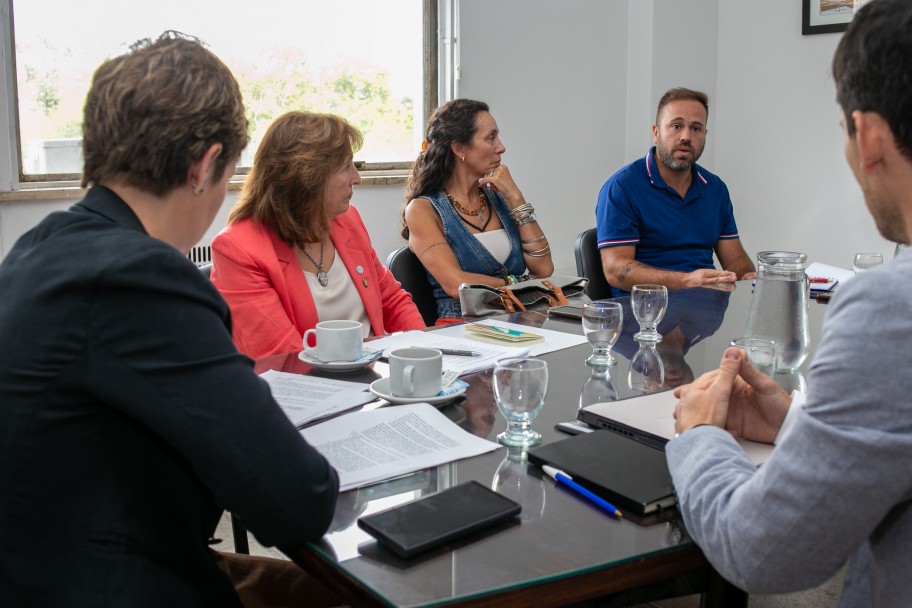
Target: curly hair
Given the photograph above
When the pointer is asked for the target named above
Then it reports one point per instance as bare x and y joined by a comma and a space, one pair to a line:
454, 121
154, 111
284, 189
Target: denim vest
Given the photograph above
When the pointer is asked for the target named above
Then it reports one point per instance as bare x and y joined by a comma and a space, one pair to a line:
470, 253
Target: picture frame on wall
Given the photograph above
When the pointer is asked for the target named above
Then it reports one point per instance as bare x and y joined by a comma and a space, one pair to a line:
827, 16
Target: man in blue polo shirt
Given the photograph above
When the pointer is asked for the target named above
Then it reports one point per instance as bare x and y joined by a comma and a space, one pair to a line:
660, 218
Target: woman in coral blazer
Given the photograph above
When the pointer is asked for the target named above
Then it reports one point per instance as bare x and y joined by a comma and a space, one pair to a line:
295, 252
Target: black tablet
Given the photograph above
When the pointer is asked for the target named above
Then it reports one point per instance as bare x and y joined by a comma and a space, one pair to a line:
434, 520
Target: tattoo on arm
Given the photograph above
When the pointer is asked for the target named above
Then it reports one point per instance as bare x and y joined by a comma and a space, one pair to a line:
626, 270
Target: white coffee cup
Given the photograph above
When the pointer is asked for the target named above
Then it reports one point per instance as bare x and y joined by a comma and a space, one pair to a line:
415, 372
335, 341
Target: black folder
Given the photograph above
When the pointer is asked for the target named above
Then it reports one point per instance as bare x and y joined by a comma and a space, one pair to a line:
631, 475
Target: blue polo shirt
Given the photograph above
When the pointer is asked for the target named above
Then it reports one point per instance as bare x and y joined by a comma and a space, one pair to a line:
636, 207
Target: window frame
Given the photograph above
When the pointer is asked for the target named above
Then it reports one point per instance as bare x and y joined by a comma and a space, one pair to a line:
12, 176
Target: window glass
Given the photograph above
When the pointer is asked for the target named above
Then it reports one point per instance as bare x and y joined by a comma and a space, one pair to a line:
361, 59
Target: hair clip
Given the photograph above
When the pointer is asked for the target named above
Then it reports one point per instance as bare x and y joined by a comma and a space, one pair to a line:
424, 145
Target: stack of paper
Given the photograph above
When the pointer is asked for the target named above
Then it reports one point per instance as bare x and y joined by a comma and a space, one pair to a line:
500, 335
371, 446
308, 398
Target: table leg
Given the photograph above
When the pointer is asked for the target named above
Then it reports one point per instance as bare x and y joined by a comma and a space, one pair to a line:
722, 594
239, 533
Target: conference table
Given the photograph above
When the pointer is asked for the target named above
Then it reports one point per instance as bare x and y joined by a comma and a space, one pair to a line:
561, 550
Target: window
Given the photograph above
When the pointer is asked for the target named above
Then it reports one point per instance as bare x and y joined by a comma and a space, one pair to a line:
373, 63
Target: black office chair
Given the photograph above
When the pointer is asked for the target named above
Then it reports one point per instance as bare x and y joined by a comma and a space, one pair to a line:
408, 270
589, 265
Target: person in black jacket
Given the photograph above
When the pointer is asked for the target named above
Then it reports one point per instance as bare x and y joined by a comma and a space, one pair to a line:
128, 420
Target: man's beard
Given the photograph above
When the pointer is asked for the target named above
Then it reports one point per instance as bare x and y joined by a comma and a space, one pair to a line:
668, 159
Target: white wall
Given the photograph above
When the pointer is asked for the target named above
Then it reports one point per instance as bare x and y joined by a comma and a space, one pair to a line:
778, 140
573, 86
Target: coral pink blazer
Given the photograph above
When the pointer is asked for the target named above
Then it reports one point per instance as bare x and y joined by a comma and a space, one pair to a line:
271, 306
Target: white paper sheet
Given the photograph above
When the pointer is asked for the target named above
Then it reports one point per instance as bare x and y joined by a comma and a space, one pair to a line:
370, 446
306, 398
554, 340
835, 274
490, 353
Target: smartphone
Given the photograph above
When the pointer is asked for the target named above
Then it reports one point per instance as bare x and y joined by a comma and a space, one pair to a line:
569, 311
436, 519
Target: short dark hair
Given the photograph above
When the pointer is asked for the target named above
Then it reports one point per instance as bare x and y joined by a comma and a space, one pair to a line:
681, 94
154, 111
284, 189
872, 68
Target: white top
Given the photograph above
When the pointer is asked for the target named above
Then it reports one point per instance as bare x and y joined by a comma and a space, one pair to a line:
339, 300
497, 242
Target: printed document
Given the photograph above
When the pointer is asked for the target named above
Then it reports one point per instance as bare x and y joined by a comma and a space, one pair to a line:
307, 398
370, 446
488, 354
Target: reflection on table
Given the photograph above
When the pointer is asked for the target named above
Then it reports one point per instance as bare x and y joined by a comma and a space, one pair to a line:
563, 550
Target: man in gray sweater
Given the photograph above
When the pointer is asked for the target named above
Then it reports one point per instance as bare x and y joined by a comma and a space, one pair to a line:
838, 488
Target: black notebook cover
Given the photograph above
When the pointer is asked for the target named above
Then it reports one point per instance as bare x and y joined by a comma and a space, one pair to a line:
631, 475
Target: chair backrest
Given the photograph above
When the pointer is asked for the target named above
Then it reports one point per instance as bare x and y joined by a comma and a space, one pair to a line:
589, 265
206, 269
409, 271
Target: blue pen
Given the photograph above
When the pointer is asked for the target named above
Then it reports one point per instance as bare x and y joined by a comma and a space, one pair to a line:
561, 477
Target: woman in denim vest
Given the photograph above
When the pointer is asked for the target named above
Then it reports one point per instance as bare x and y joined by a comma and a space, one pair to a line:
465, 217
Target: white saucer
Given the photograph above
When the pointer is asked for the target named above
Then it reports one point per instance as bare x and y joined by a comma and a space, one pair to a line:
368, 356
381, 388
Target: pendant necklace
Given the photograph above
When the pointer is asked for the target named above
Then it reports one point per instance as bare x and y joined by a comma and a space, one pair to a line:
321, 274
478, 212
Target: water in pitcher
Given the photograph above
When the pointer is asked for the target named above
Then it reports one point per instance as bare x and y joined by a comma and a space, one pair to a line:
779, 306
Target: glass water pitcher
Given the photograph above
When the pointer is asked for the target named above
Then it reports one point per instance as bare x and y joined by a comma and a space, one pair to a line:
779, 306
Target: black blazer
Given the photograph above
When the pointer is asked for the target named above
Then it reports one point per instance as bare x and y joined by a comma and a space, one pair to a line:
128, 421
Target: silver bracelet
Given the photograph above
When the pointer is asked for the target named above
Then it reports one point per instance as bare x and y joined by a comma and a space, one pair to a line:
526, 219
540, 253
524, 208
530, 241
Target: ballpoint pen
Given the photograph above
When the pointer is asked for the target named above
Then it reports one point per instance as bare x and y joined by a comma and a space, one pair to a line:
561, 477
459, 353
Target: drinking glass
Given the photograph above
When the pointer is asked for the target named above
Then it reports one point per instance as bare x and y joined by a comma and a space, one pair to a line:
647, 370
602, 322
648, 303
761, 352
866, 261
520, 386
900, 247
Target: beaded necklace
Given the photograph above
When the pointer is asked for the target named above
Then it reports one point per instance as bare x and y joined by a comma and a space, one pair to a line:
480, 212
